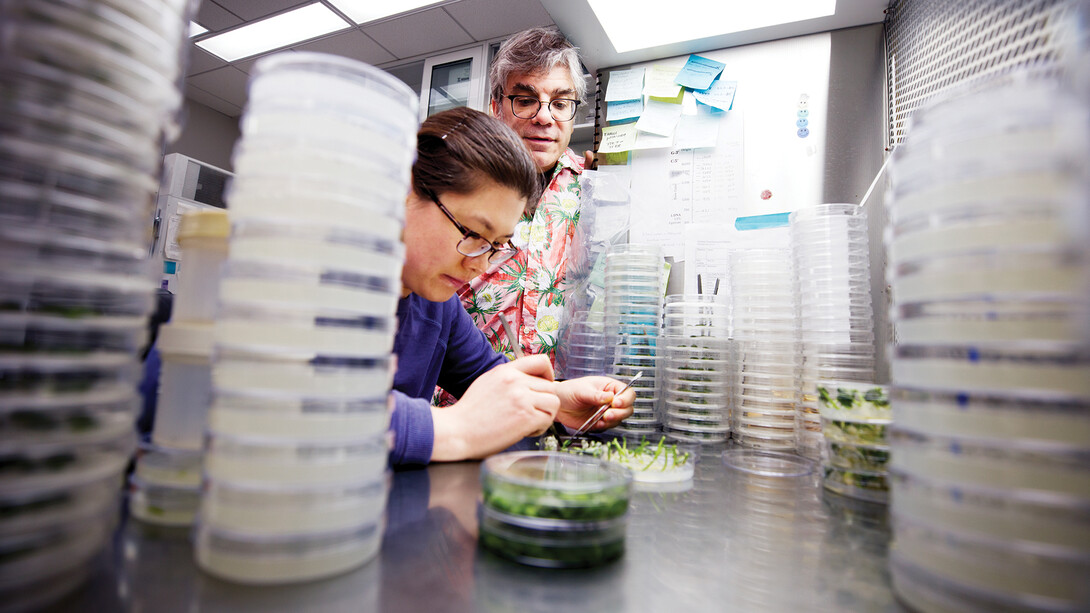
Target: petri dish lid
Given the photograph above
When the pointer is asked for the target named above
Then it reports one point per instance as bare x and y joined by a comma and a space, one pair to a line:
556, 471
768, 463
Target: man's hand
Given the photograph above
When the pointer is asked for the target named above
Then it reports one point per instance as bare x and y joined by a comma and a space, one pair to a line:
590, 160
503, 406
580, 398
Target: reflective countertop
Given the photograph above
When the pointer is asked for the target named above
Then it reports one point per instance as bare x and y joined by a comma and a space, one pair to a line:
726, 541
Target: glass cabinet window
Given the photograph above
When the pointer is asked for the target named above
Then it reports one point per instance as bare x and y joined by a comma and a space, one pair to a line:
450, 86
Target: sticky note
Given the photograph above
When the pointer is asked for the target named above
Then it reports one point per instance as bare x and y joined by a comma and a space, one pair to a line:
720, 94
625, 85
699, 72
659, 82
617, 138
624, 109
659, 118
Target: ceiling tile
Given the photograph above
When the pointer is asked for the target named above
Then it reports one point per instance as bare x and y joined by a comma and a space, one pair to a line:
410, 74
256, 9
228, 83
199, 95
351, 43
202, 61
215, 17
419, 33
247, 65
485, 19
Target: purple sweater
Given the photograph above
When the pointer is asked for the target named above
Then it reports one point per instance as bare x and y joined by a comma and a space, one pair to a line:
436, 343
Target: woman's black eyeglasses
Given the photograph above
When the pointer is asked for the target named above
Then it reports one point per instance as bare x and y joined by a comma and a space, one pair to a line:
473, 244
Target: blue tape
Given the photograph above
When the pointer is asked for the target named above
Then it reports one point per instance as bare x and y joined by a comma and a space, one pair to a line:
758, 222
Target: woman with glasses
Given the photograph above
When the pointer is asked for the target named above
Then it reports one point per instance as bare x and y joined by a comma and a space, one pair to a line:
471, 182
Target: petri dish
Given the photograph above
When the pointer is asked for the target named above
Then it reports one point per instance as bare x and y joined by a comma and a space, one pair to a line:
768, 463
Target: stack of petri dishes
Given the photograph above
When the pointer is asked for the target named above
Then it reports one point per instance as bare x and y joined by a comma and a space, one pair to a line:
990, 464
766, 349
836, 318
296, 450
89, 97
634, 285
696, 368
855, 423
166, 485
582, 351
554, 509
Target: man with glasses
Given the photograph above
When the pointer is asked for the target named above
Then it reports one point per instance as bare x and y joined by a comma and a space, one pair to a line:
537, 87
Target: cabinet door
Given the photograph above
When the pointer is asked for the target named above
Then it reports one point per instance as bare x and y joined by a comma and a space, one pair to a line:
452, 80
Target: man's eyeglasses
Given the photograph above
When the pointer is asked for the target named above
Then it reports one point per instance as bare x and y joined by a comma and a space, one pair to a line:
473, 244
527, 107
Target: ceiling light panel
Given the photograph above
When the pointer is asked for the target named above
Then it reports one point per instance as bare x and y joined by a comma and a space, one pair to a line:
278, 31
639, 24
362, 11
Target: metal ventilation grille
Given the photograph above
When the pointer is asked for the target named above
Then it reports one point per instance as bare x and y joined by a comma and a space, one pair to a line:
934, 45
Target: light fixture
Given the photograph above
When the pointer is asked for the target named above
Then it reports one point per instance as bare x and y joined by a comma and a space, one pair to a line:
639, 24
362, 11
196, 29
274, 32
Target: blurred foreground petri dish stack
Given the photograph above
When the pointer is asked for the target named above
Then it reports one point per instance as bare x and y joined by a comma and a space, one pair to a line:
836, 318
554, 509
79, 158
766, 349
696, 374
295, 476
634, 283
990, 448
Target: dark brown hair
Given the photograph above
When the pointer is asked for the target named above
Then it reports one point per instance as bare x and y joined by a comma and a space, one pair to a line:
458, 150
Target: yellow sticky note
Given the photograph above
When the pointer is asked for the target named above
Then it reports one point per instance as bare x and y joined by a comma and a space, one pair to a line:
659, 82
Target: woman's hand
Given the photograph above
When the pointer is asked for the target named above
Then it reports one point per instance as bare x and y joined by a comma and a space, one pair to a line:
580, 398
503, 406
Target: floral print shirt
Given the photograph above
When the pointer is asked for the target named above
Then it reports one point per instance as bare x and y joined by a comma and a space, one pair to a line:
529, 288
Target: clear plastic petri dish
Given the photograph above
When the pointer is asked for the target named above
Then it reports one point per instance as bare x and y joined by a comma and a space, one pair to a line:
854, 401
1044, 469
284, 559
299, 462
60, 465
252, 510
168, 466
70, 417
1036, 368
768, 463
1048, 525
263, 328
164, 505
34, 510
1005, 572
231, 418
302, 287
558, 486
856, 432
1059, 420
551, 543
702, 436
53, 550
864, 485
867, 458
376, 256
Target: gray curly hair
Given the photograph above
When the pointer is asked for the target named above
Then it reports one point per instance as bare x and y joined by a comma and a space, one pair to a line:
535, 51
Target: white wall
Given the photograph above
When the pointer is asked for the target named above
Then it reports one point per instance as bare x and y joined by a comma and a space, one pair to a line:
207, 135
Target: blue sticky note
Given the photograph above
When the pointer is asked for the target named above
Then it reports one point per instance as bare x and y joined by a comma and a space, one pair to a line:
758, 222
719, 94
625, 109
699, 72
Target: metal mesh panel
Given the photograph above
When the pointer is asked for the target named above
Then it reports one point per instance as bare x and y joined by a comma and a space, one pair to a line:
935, 45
